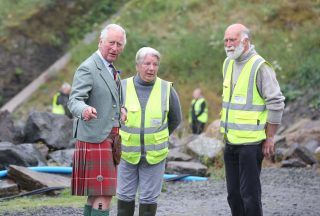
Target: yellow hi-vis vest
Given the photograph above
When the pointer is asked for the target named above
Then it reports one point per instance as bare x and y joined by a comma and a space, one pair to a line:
244, 113
197, 107
155, 127
57, 109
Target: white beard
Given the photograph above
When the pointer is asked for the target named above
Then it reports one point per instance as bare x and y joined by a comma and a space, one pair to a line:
237, 51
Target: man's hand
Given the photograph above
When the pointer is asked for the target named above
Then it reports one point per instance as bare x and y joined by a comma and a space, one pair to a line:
89, 113
123, 116
268, 147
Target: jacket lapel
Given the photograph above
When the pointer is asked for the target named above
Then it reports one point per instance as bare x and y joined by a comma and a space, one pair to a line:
105, 75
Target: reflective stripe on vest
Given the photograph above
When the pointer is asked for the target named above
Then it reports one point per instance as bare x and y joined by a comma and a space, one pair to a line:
155, 128
244, 114
57, 109
197, 107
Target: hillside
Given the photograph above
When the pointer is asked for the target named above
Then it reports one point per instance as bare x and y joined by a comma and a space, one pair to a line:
35, 33
189, 35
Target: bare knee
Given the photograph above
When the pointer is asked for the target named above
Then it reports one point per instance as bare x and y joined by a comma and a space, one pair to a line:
101, 202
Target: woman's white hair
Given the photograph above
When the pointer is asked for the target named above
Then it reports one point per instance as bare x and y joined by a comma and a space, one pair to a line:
105, 31
144, 51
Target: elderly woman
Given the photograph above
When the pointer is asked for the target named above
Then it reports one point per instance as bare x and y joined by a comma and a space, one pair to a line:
153, 113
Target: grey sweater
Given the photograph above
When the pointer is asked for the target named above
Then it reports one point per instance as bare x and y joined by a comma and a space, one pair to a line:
267, 85
143, 90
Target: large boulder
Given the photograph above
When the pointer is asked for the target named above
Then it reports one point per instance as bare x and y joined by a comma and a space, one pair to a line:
54, 130
176, 155
22, 155
8, 132
62, 157
32, 149
303, 132
213, 130
204, 146
305, 155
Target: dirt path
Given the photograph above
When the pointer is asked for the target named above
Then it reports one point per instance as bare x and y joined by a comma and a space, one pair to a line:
286, 192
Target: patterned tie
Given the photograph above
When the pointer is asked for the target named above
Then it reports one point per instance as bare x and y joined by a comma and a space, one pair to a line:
115, 74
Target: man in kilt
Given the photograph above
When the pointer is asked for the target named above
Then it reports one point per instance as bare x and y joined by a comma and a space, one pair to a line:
95, 103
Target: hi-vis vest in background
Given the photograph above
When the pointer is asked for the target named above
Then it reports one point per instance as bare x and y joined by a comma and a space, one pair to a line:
197, 107
155, 128
244, 113
57, 109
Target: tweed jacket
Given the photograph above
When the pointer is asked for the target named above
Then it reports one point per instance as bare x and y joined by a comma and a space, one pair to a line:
94, 86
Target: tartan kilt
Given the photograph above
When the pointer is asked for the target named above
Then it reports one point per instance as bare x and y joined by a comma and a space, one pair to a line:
94, 172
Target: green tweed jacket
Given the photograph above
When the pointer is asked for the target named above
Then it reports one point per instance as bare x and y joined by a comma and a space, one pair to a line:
93, 86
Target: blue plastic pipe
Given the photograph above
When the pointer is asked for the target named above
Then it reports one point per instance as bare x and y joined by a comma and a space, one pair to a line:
46, 169
68, 170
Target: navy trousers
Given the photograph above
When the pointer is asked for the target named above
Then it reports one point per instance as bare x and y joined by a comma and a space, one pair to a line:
243, 167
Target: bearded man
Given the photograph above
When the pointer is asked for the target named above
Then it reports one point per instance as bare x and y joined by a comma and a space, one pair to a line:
251, 113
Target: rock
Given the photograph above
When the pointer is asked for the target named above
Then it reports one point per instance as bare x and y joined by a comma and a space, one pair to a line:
31, 149
176, 155
54, 130
181, 167
62, 157
32, 180
22, 155
280, 141
8, 132
187, 139
181, 144
303, 132
305, 155
8, 188
280, 154
295, 162
42, 148
213, 130
173, 141
312, 145
204, 146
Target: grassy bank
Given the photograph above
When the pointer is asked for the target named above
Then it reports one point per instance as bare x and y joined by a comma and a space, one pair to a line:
189, 35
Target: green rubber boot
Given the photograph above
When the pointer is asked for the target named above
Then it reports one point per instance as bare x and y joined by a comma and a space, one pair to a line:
147, 209
125, 208
97, 212
87, 210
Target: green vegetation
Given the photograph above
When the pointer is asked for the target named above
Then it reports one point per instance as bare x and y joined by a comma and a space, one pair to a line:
38, 201
37, 19
12, 13
189, 36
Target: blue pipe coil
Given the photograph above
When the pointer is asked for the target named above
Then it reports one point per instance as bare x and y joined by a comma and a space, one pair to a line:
68, 170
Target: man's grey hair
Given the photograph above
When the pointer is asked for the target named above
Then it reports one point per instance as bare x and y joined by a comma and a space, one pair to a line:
144, 51
105, 31
245, 33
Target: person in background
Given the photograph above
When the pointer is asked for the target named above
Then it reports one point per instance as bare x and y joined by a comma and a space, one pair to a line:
154, 112
198, 112
60, 101
95, 101
252, 109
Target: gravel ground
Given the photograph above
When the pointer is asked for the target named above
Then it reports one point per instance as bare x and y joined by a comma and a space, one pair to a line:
285, 192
